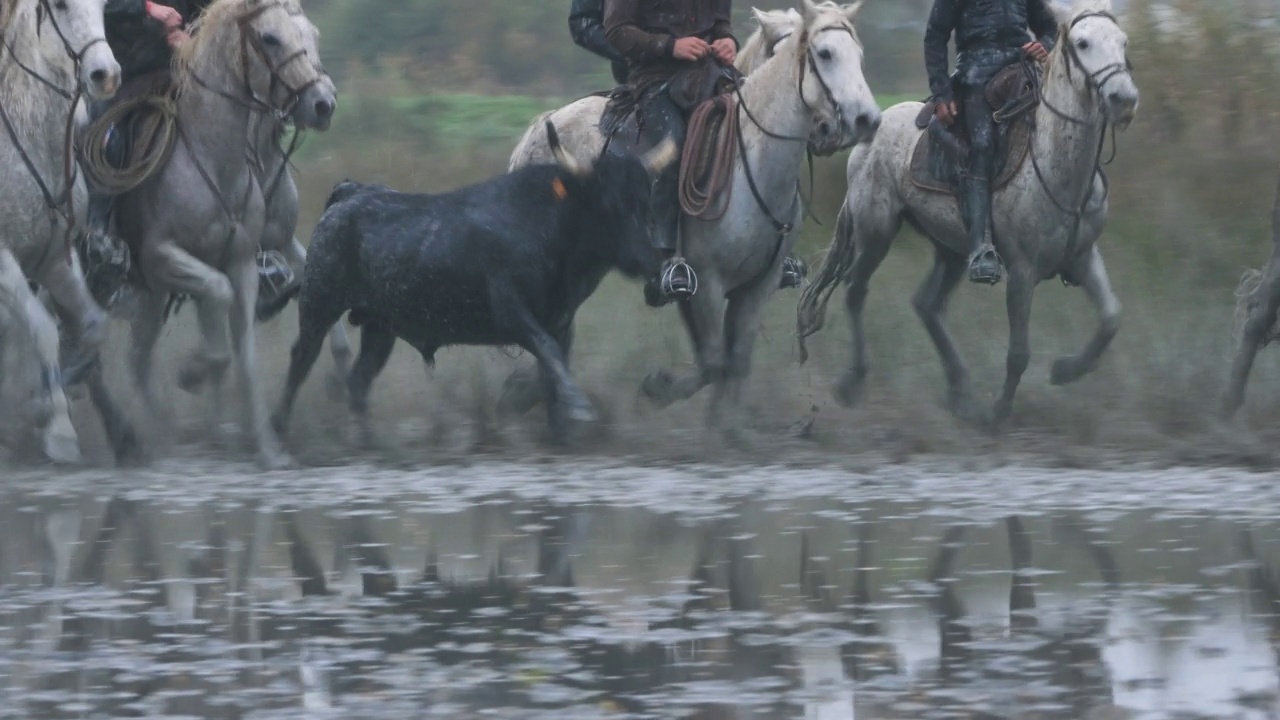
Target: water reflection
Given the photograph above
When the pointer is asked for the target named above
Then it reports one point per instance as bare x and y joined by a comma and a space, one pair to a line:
126, 607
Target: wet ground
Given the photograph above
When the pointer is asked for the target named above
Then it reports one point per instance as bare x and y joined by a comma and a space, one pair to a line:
204, 589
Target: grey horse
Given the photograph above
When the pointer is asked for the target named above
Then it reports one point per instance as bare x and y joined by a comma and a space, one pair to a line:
198, 222
1047, 220
809, 91
54, 54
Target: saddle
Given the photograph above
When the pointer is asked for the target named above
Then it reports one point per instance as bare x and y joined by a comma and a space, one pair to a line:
942, 154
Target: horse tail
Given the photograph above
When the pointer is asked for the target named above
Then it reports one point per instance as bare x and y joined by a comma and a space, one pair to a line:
812, 310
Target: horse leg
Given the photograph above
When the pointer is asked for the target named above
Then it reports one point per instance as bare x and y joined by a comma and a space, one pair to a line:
742, 327
177, 271
1018, 298
703, 317
120, 432
146, 325
80, 314
58, 436
1098, 286
244, 283
930, 304
376, 343
874, 236
315, 315
1263, 303
339, 343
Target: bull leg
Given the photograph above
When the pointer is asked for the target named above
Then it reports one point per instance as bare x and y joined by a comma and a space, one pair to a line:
1018, 301
930, 304
376, 343
53, 416
244, 282
80, 314
704, 319
1098, 286
569, 404
339, 343
314, 316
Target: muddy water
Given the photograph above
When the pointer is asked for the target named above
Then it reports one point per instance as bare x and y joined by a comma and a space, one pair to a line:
585, 590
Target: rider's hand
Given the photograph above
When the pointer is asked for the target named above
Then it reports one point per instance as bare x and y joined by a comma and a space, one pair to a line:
726, 50
1036, 51
690, 49
176, 37
170, 18
946, 111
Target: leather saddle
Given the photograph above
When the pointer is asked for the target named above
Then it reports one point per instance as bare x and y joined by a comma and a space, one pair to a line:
942, 153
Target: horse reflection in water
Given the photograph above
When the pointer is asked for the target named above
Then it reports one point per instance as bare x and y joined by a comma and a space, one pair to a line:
130, 607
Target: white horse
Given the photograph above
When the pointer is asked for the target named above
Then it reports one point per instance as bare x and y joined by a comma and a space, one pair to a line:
1047, 220
53, 53
578, 123
809, 90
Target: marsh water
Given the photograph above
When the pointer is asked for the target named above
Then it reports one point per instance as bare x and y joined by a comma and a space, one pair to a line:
604, 590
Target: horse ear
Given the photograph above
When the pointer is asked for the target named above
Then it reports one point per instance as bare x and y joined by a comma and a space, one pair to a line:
808, 10
774, 24
851, 10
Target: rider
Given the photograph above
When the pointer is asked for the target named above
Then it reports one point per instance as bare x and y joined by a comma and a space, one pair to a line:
990, 35
586, 24
659, 39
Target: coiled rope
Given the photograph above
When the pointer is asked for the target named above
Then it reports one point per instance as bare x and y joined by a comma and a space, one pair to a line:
153, 127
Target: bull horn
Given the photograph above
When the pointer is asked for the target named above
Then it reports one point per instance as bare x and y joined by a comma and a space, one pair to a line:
657, 159
563, 157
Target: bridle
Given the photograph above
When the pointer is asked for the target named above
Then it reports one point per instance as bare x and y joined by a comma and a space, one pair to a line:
248, 98
808, 65
1096, 83
62, 203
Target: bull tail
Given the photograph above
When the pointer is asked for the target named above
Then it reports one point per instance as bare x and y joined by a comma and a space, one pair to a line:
812, 311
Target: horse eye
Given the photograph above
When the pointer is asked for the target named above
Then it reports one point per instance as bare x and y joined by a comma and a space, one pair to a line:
60, 5
1082, 44
270, 40
824, 54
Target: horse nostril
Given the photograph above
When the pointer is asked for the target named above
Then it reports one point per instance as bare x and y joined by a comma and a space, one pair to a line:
98, 76
824, 128
324, 108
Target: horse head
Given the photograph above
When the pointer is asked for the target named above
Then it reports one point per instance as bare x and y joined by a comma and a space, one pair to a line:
276, 49
72, 30
1094, 49
832, 83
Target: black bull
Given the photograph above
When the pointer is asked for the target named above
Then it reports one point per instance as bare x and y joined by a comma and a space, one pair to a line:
507, 261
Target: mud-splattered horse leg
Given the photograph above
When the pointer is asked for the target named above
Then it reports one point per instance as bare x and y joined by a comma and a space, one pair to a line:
873, 229
704, 319
1262, 305
930, 303
1097, 285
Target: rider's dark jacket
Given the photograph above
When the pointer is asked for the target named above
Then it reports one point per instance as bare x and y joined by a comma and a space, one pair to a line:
586, 25
645, 33
989, 36
138, 40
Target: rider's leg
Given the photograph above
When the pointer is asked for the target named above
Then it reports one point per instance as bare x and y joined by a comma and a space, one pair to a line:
675, 280
984, 263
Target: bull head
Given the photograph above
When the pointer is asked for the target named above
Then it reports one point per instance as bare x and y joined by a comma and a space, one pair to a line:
654, 161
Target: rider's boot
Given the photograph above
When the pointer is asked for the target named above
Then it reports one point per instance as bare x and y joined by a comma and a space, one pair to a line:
985, 265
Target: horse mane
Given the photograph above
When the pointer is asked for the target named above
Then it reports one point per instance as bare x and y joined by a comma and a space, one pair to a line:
755, 50
206, 31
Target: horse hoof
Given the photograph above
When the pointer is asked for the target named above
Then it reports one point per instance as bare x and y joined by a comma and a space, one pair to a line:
62, 447
658, 388
1066, 370
520, 393
849, 390
271, 460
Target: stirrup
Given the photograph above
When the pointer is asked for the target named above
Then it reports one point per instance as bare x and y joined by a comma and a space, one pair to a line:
986, 266
679, 281
794, 271
274, 274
